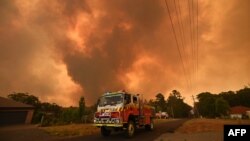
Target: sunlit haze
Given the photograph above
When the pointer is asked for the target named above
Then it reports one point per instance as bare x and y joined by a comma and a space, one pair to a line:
61, 50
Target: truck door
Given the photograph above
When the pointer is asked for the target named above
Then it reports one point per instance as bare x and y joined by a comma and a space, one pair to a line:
136, 105
127, 103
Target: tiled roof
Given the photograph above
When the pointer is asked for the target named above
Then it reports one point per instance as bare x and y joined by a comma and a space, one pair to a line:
9, 103
239, 110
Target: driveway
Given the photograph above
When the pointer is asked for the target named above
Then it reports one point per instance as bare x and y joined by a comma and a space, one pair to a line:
24, 133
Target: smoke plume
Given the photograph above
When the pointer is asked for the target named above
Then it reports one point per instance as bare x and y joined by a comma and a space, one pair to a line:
63, 49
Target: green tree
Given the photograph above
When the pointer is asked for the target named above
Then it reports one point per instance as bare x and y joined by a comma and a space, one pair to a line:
176, 94
51, 108
212, 105
81, 107
244, 96
70, 115
30, 100
221, 107
25, 98
176, 106
206, 104
49, 113
160, 103
231, 97
240, 97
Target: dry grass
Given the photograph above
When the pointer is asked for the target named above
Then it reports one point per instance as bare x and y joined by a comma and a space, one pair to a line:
72, 130
207, 125
160, 121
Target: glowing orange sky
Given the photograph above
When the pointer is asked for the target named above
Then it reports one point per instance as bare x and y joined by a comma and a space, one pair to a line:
61, 50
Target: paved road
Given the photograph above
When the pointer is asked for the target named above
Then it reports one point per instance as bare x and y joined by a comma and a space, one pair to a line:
141, 134
32, 133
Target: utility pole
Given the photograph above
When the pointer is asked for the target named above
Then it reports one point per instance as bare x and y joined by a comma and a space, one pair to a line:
195, 108
172, 111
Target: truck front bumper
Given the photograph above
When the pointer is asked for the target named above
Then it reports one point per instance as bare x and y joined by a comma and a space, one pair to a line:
109, 122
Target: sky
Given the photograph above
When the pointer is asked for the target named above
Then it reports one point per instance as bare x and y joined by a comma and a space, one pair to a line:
61, 50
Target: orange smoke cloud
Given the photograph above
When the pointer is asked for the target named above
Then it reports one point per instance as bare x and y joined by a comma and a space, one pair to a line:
61, 50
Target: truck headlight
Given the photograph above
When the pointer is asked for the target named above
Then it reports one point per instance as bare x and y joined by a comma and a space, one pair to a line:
117, 121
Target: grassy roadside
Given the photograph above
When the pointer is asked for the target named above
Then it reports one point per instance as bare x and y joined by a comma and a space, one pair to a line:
160, 121
207, 125
71, 130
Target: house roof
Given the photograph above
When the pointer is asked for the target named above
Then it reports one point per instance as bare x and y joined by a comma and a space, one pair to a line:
239, 110
9, 103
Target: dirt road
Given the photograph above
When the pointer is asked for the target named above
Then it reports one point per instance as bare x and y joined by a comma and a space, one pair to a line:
32, 133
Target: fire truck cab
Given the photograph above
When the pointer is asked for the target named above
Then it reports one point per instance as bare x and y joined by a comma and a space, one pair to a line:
120, 110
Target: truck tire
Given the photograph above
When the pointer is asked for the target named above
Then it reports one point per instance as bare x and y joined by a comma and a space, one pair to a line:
150, 127
105, 132
130, 129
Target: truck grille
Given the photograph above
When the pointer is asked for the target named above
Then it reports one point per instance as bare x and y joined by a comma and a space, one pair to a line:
107, 120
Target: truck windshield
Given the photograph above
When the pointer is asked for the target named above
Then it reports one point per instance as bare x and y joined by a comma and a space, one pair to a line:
111, 100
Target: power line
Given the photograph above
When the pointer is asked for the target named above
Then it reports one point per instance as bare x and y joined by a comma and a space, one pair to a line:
173, 29
191, 73
192, 37
185, 47
180, 29
195, 38
194, 45
182, 38
197, 59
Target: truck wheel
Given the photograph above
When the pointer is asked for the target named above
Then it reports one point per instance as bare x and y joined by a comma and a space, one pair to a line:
130, 129
105, 132
150, 126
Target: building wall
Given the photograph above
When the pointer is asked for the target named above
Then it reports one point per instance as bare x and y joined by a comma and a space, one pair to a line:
236, 116
15, 116
248, 114
29, 116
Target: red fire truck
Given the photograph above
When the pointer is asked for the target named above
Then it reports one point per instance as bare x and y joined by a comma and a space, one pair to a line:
117, 111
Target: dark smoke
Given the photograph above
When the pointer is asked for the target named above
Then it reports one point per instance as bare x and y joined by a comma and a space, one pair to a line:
60, 50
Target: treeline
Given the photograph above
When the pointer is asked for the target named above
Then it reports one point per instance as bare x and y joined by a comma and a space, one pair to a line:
52, 114
218, 105
174, 105
208, 105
